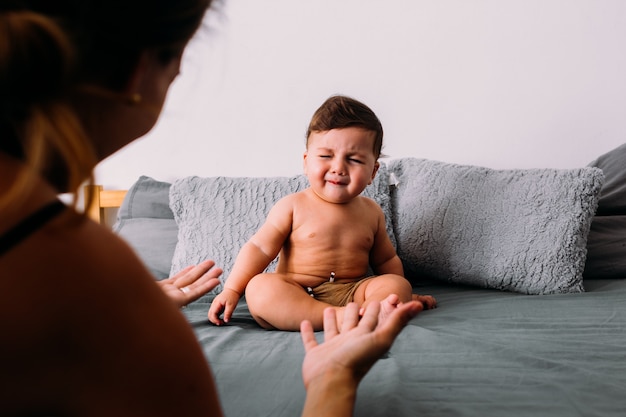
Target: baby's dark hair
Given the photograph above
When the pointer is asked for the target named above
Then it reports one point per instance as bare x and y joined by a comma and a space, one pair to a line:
339, 112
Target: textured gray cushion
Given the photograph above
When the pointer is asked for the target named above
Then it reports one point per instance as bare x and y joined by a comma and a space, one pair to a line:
216, 216
146, 222
516, 230
606, 243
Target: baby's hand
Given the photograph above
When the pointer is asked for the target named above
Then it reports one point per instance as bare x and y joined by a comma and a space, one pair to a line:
225, 302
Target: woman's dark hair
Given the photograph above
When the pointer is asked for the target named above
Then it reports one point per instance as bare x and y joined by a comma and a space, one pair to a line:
49, 49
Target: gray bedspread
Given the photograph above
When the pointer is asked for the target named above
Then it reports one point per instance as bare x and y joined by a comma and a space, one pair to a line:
481, 353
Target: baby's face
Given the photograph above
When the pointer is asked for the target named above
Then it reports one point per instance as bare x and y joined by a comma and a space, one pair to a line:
340, 163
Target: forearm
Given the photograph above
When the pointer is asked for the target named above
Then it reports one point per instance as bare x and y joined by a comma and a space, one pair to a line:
250, 261
330, 395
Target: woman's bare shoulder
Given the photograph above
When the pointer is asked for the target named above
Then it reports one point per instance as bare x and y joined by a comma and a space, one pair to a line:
75, 273
80, 292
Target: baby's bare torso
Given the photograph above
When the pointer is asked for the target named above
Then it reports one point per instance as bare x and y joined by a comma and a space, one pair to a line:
329, 238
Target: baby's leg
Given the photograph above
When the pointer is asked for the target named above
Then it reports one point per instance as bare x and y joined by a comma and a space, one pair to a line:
277, 302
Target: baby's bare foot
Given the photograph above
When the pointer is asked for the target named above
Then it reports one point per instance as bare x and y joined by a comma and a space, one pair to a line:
428, 301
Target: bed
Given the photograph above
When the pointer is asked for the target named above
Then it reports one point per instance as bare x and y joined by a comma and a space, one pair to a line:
527, 267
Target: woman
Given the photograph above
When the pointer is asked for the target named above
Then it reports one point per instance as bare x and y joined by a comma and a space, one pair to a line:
85, 329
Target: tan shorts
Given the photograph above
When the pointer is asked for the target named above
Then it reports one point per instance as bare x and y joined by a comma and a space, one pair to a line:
336, 293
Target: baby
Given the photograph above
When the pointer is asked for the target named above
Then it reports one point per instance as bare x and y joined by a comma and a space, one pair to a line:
326, 236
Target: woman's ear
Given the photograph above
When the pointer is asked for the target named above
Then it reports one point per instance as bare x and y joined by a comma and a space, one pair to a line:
136, 76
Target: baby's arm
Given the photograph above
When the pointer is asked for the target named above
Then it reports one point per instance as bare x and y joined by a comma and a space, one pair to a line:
253, 258
385, 260
383, 256
392, 266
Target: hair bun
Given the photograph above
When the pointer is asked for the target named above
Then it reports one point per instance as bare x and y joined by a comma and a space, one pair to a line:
36, 58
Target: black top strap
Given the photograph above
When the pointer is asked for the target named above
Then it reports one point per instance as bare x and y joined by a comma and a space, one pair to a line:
29, 225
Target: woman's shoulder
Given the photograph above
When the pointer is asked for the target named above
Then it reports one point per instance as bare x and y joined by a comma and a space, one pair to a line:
73, 272
80, 303
93, 251
73, 262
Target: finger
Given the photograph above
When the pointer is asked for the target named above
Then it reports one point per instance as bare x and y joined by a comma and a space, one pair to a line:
228, 312
208, 276
181, 273
216, 321
370, 316
211, 315
198, 289
198, 271
330, 323
350, 317
199, 286
172, 280
308, 337
193, 273
398, 319
204, 287
214, 312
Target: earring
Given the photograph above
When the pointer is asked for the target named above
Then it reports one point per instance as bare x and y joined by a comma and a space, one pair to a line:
134, 99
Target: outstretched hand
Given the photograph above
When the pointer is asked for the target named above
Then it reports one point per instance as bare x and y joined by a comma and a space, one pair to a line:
191, 283
352, 350
332, 371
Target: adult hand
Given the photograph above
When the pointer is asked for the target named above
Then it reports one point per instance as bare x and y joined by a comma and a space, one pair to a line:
347, 354
191, 283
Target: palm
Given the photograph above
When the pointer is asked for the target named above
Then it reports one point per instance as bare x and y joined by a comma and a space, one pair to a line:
357, 346
191, 283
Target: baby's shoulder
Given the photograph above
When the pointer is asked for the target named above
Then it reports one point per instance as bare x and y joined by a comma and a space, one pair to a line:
287, 202
368, 203
296, 199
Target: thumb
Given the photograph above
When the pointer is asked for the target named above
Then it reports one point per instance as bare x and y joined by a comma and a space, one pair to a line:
399, 318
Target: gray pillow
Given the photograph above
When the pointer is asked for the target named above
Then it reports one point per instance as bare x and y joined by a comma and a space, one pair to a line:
216, 216
606, 243
515, 230
147, 197
146, 222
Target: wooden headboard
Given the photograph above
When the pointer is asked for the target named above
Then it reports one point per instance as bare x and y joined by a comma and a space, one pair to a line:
101, 200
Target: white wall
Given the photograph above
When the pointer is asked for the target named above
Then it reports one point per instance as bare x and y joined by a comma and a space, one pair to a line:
498, 83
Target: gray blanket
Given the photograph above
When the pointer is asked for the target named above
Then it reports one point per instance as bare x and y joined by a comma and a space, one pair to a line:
481, 353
